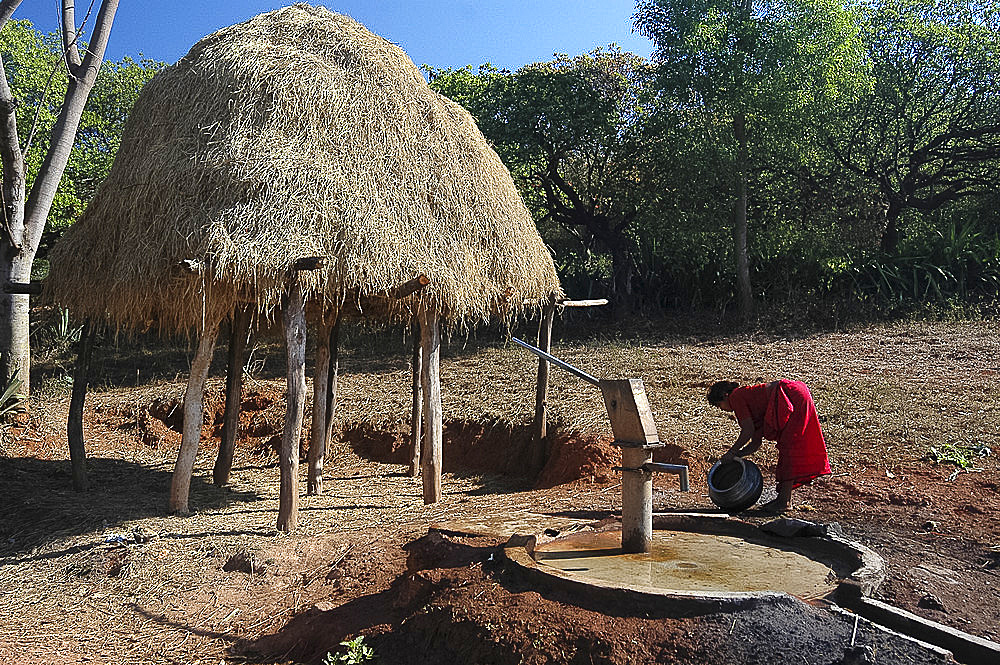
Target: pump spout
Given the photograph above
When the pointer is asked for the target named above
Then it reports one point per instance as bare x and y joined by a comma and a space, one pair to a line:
681, 470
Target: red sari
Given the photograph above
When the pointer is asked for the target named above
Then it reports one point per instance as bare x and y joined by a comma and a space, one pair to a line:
784, 412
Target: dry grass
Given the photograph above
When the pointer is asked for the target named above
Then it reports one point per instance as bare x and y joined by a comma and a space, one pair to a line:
299, 133
72, 589
885, 394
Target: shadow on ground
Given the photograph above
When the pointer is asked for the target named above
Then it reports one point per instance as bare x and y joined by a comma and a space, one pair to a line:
39, 504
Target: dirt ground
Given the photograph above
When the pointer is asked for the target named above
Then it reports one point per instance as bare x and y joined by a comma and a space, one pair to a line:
108, 577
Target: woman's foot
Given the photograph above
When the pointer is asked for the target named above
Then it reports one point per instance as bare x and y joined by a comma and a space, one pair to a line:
774, 507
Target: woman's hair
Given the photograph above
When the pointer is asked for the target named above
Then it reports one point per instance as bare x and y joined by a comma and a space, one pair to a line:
720, 390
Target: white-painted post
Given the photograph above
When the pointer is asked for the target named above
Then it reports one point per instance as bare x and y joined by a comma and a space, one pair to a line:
430, 378
194, 396
317, 439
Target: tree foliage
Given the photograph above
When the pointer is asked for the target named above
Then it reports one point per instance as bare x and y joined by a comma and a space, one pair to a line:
583, 141
763, 70
38, 80
927, 131
807, 151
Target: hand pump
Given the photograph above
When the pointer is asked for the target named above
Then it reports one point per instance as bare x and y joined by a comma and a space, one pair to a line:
635, 433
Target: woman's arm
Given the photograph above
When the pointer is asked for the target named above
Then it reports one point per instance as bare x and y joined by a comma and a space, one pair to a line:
747, 442
751, 447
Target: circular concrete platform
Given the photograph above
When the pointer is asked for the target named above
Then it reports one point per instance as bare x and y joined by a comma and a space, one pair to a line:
690, 561
699, 560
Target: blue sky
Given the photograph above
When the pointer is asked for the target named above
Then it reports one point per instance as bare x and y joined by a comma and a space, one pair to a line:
443, 33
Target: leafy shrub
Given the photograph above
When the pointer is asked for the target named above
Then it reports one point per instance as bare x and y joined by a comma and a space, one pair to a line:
964, 457
11, 401
356, 651
960, 264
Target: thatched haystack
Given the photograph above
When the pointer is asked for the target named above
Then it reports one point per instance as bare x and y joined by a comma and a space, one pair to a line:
297, 133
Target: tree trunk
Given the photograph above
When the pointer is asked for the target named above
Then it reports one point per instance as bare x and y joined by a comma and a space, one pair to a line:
24, 220
891, 235
74, 425
416, 412
13, 308
14, 322
621, 269
430, 341
180, 485
745, 292
317, 437
295, 342
540, 425
239, 338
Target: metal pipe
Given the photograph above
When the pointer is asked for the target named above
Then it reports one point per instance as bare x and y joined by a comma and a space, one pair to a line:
559, 363
680, 470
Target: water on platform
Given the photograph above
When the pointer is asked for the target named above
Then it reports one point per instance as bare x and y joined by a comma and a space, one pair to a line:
689, 561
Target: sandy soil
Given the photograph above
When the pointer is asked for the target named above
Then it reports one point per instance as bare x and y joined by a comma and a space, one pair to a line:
108, 577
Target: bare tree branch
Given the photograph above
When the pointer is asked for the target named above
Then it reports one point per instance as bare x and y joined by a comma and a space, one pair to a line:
64, 132
70, 36
13, 165
7, 9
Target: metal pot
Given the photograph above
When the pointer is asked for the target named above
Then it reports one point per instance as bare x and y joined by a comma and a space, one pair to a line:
736, 485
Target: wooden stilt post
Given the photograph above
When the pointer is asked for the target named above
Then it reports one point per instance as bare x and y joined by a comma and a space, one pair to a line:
331, 382
430, 342
416, 413
74, 426
194, 396
540, 425
318, 436
295, 342
239, 338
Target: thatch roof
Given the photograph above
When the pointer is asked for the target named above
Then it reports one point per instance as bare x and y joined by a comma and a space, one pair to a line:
298, 133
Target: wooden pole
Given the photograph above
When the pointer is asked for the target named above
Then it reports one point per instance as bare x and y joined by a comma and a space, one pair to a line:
540, 425
410, 287
295, 343
180, 485
416, 413
318, 438
239, 339
331, 381
574, 303
430, 341
74, 426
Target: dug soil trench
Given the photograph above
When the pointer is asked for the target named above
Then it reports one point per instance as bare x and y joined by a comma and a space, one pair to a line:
108, 577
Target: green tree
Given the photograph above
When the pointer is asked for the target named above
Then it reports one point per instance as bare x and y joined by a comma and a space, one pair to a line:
582, 140
25, 211
927, 133
38, 81
763, 71
97, 140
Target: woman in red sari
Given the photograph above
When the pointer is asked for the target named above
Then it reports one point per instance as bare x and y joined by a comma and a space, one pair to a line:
781, 411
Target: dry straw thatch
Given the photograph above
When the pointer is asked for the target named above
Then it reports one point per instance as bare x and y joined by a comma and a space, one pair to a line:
298, 133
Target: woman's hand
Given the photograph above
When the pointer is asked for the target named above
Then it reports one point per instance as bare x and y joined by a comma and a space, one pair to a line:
744, 442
